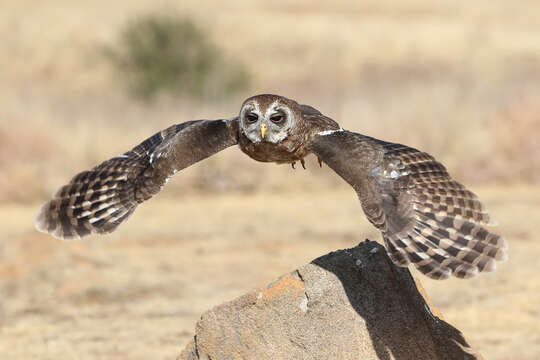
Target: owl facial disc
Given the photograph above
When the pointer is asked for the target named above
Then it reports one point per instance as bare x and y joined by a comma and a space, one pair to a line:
264, 118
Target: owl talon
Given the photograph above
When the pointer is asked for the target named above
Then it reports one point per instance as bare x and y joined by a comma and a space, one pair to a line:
292, 164
303, 163
320, 161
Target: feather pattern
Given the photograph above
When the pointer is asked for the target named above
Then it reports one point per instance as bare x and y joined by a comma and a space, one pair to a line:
447, 236
98, 200
426, 218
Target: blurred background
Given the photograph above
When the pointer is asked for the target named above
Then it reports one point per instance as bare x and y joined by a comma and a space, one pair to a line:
84, 81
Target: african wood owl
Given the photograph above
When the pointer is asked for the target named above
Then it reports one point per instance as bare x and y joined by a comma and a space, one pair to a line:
425, 217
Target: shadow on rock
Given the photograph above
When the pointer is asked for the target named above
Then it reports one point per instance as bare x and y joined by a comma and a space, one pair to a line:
395, 312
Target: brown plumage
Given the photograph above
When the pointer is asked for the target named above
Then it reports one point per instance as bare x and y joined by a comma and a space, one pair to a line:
98, 200
426, 218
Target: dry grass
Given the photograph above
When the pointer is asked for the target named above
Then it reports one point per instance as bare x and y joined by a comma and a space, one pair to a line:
137, 293
459, 81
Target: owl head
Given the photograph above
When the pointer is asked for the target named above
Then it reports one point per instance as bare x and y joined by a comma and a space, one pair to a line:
267, 118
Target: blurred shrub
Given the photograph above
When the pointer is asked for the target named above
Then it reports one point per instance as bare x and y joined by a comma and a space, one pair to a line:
169, 54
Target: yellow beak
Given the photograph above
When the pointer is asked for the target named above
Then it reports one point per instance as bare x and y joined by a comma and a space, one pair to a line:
263, 130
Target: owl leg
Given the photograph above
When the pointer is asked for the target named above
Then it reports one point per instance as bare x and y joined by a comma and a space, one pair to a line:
293, 163
320, 161
303, 162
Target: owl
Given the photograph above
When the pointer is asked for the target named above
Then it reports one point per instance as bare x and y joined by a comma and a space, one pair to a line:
425, 217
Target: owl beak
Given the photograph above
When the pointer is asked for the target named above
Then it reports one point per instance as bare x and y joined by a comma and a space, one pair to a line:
263, 130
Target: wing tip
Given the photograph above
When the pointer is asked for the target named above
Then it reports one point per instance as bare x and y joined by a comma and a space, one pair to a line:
46, 223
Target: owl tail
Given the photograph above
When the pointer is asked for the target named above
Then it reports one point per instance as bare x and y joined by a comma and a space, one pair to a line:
98, 200
448, 235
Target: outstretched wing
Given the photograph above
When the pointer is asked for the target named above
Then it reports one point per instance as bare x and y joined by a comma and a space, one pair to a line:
98, 200
425, 216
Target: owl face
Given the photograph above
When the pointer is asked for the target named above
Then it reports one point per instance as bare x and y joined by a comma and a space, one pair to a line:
266, 118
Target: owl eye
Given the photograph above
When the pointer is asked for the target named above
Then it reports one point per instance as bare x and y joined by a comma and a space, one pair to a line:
251, 117
277, 118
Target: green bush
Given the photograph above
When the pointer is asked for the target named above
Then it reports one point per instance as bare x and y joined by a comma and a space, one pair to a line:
168, 54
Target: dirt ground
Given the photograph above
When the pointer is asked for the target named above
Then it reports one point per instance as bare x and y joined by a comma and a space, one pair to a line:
138, 293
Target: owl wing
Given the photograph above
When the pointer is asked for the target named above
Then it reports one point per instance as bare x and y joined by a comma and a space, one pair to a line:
98, 200
426, 218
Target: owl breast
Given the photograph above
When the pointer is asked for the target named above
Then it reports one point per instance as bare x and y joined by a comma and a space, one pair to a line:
287, 151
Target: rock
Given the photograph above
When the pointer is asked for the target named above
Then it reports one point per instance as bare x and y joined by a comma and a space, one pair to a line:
349, 304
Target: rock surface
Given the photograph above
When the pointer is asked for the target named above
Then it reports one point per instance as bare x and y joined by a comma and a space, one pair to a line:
349, 304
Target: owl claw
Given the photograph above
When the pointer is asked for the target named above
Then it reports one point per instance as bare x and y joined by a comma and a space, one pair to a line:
292, 164
303, 163
320, 161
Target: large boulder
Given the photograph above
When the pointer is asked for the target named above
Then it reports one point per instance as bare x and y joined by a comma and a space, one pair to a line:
349, 304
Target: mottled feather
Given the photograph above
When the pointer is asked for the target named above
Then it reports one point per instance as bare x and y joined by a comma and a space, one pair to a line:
425, 216
98, 200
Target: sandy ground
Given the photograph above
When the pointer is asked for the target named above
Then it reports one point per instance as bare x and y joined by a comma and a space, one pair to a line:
137, 293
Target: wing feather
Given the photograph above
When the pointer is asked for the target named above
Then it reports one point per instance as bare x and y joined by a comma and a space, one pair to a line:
98, 200
426, 217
